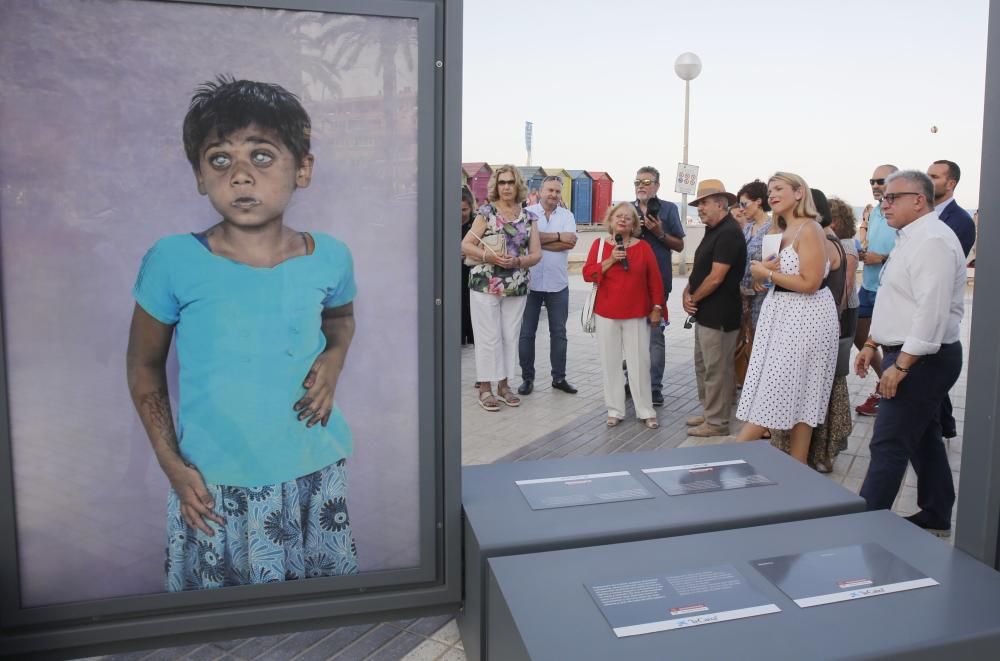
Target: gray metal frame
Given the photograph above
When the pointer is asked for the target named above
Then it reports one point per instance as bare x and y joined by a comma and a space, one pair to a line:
125, 623
978, 521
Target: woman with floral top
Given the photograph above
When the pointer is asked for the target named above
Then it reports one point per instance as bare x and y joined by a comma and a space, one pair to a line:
753, 202
498, 285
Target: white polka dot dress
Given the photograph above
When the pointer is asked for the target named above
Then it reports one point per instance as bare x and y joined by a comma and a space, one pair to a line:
794, 356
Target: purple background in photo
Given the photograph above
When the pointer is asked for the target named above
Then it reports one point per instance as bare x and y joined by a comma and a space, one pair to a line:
92, 172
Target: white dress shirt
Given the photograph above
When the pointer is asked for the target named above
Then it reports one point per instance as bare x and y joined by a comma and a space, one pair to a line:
921, 299
551, 274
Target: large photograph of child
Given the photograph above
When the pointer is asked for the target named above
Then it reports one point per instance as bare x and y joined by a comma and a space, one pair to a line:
264, 316
208, 232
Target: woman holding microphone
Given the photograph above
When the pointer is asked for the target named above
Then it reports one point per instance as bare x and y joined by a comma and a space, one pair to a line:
629, 298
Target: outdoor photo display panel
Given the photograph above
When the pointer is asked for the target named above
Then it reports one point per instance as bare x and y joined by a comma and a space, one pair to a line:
93, 173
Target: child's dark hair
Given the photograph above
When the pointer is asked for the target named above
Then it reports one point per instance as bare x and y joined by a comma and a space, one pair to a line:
225, 105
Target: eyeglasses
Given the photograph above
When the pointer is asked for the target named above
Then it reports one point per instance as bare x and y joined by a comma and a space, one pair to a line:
877, 182
744, 205
890, 198
643, 182
505, 182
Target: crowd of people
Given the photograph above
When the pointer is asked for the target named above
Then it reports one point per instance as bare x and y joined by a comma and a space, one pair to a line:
774, 277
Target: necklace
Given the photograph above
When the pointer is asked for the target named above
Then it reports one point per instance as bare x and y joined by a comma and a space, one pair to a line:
508, 214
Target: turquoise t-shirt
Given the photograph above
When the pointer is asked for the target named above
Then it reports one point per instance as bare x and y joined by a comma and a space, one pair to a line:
881, 239
246, 338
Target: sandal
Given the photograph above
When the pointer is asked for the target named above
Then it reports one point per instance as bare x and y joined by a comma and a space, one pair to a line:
488, 401
508, 397
651, 423
613, 421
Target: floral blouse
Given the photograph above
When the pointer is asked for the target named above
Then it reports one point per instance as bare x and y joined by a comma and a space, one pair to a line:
492, 279
754, 247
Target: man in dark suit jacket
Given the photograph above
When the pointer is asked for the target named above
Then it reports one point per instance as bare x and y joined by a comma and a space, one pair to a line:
945, 175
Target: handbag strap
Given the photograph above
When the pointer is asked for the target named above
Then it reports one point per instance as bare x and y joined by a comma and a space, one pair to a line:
603, 246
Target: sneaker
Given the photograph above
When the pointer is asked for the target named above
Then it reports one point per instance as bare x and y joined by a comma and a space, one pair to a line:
923, 520
695, 420
705, 430
657, 398
870, 407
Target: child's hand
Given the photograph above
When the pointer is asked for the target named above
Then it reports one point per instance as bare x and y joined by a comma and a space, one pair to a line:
320, 384
196, 503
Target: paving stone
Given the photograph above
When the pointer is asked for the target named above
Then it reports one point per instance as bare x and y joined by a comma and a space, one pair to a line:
373, 640
398, 647
429, 650
335, 642
294, 645
255, 647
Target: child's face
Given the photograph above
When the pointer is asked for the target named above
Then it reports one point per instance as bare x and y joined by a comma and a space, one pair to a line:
250, 175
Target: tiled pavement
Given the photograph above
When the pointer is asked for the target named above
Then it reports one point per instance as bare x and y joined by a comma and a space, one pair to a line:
552, 424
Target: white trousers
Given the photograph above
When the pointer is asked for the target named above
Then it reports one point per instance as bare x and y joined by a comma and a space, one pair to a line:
496, 325
628, 338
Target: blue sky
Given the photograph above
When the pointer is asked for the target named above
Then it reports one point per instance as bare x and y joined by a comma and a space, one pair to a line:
827, 90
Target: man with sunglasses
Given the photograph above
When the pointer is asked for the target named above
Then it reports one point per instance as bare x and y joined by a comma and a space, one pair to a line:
916, 323
663, 231
877, 240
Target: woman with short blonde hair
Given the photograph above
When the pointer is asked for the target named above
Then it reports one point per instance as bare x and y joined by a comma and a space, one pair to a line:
629, 298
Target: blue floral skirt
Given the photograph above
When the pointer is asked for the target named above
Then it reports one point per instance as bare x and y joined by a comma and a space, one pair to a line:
280, 532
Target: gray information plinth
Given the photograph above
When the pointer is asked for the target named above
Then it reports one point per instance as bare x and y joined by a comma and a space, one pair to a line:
500, 522
539, 608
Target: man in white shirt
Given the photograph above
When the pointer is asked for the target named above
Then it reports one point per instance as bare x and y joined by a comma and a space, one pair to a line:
548, 285
916, 323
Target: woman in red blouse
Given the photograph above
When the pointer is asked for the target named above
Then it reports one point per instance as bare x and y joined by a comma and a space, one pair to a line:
629, 297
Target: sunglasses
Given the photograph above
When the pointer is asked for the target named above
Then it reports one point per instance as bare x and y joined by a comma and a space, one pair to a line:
643, 182
505, 182
876, 182
744, 205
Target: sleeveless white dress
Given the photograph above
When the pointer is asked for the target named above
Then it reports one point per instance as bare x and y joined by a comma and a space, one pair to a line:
794, 356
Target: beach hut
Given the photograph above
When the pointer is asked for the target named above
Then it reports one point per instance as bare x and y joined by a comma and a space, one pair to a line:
602, 183
582, 196
567, 181
477, 176
532, 176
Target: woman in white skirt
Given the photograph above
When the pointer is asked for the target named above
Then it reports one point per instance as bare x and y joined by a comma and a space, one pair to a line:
794, 354
498, 284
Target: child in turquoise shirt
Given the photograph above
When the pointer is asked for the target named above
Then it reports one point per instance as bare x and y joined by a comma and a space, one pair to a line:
263, 317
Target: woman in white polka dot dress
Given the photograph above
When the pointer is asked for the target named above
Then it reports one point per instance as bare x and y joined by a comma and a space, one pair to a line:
794, 354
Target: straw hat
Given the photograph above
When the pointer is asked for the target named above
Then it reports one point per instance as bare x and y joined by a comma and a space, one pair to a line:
710, 187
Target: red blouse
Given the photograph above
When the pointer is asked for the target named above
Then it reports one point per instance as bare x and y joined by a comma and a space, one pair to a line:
625, 294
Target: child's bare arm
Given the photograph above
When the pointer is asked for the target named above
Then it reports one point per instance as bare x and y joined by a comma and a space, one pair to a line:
148, 344
321, 381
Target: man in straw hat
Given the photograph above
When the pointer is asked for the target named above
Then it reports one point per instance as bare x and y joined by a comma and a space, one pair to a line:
712, 298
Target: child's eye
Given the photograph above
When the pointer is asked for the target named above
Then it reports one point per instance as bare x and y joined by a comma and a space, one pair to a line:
218, 160
262, 158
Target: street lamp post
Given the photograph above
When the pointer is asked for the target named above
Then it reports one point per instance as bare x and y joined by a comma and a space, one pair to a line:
687, 67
